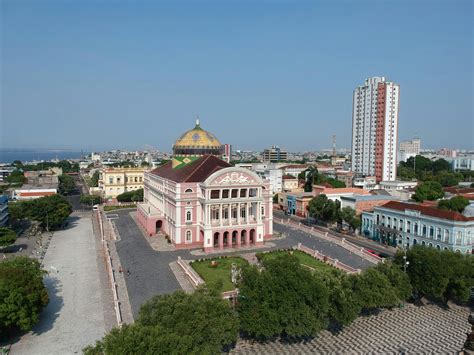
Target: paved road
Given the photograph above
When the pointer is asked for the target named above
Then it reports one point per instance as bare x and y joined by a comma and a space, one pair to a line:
151, 275
75, 316
360, 241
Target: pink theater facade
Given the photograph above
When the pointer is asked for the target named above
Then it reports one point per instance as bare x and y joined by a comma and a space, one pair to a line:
227, 207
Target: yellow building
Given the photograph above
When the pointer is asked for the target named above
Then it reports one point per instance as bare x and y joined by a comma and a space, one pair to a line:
116, 181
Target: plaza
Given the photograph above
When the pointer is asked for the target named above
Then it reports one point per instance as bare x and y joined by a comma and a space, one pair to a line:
80, 310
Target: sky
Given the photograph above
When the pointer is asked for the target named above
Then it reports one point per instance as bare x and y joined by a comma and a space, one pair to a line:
135, 74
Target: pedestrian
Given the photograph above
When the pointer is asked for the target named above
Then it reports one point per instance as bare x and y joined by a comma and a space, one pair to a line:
120, 269
128, 272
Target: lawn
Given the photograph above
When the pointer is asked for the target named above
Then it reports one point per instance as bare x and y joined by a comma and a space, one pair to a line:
213, 276
304, 259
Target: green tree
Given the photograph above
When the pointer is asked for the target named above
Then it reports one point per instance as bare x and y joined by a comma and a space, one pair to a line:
456, 203
373, 289
16, 177
324, 209
440, 274
283, 299
95, 179
90, 200
22, 294
336, 183
50, 211
397, 278
348, 215
446, 178
7, 236
428, 190
131, 196
440, 165
66, 184
178, 323
311, 174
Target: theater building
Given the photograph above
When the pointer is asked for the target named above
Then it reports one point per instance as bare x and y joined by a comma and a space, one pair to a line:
200, 201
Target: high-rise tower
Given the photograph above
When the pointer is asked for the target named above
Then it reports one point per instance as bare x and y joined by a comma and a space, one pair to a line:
375, 129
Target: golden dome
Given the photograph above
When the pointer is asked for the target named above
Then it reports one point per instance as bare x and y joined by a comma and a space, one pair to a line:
197, 138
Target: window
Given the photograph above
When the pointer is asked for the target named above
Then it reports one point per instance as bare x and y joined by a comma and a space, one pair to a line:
431, 232
235, 193
234, 213
188, 216
118, 180
408, 227
111, 180
458, 237
446, 236
252, 192
242, 212
215, 194
424, 230
140, 178
188, 237
415, 228
243, 193
136, 179
188, 190
263, 211
225, 193
438, 233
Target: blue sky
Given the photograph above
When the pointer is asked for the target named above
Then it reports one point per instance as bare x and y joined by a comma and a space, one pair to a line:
130, 74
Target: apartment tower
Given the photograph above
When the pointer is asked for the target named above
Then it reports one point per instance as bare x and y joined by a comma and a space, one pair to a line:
375, 129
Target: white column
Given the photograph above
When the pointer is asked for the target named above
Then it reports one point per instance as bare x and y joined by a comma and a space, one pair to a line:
230, 214
238, 213
247, 213
220, 214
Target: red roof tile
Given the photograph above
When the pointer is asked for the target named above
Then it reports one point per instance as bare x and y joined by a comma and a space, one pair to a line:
197, 171
428, 211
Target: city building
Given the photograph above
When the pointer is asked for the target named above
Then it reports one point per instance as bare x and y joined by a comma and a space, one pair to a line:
448, 153
335, 194
116, 181
408, 149
345, 176
4, 216
294, 169
204, 202
290, 183
27, 193
402, 224
274, 154
397, 185
227, 152
5, 171
364, 203
463, 162
364, 182
375, 129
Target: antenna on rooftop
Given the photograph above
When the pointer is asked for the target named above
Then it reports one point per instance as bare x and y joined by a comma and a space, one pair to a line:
334, 146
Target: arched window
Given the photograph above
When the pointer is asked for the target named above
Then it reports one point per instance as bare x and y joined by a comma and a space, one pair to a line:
188, 237
188, 190
188, 216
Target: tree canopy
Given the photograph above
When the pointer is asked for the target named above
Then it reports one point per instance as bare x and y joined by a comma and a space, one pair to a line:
440, 274
283, 299
178, 323
16, 177
428, 190
66, 184
22, 294
456, 203
7, 236
50, 211
131, 196
324, 209
348, 215
90, 199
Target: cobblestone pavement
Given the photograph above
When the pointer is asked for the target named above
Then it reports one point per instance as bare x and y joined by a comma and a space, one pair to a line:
150, 273
411, 330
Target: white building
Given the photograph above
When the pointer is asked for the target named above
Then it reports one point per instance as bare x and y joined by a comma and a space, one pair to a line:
397, 185
375, 129
409, 149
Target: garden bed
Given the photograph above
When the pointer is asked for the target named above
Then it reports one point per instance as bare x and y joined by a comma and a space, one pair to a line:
218, 275
304, 259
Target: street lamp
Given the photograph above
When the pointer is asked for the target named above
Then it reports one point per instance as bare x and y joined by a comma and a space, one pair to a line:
405, 262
